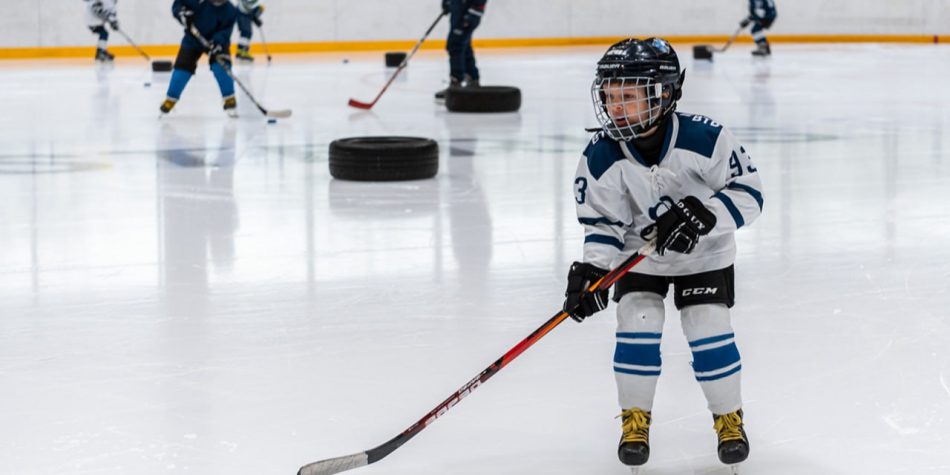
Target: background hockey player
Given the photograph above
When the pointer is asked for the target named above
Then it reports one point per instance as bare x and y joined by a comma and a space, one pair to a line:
464, 17
249, 11
100, 13
684, 180
214, 19
762, 14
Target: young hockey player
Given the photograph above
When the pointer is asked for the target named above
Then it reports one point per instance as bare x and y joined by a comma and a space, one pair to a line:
685, 181
762, 14
214, 20
100, 13
249, 11
464, 17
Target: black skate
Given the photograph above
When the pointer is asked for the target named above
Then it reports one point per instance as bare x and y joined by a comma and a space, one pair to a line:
230, 106
762, 51
471, 82
244, 54
167, 105
104, 56
440, 96
634, 447
733, 442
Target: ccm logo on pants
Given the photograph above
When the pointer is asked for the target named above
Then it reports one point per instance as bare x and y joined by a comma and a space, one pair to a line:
700, 291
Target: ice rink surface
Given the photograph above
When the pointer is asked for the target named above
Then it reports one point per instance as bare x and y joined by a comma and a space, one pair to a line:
197, 295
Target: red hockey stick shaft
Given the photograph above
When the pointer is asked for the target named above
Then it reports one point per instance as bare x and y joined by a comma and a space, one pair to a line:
405, 62
340, 464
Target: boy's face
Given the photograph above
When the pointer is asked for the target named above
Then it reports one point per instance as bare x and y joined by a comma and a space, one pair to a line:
629, 104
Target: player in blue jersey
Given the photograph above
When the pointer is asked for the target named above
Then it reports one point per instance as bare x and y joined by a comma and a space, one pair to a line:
464, 18
214, 20
249, 14
762, 14
684, 180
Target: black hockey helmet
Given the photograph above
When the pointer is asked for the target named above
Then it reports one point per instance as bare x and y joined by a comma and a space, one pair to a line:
636, 71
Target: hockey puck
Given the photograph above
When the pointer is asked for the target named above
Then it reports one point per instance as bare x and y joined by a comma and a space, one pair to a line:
271, 121
346, 60
148, 84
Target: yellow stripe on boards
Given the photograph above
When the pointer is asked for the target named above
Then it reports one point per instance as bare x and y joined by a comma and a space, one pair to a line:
166, 51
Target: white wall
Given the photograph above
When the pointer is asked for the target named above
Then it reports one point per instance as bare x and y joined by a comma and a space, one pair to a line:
60, 22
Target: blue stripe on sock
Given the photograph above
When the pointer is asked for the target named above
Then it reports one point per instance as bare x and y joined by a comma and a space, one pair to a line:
715, 358
636, 372
719, 376
640, 355
640, 336
712, 339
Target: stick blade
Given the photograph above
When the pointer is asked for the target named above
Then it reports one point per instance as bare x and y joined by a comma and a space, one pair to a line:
281, 114
360, 105
335, 465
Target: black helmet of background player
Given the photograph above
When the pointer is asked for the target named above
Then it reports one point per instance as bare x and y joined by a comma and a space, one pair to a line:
637, 85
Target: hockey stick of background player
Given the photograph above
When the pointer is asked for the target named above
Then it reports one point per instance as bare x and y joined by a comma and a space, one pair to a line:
260, 29
742, 25
405, 62
706, 51
129, 40
279, 114
340, 464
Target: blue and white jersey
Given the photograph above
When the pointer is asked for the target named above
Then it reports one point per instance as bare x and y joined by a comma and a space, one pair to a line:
762, 9
618, 194
250, 8
99, 11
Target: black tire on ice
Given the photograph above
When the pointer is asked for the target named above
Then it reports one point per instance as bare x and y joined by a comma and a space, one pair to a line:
702, 52
483, 99
394, 59
384, 158
161, 66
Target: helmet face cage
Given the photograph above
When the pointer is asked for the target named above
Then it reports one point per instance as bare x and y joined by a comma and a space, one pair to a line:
628, 106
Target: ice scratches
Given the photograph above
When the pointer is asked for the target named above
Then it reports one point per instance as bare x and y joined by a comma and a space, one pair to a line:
891, 421
943, 383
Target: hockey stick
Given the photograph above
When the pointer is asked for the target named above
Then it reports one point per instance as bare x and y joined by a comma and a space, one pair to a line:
731, 40
127, 38
273, 114
340, 464
405, 62
260, 29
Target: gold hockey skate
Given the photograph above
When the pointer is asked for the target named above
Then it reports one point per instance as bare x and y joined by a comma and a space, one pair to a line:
733, 442
634, 447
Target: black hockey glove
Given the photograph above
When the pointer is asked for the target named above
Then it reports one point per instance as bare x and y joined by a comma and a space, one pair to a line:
579, 303
114, 22
257, 21
186, 17
446, 7
745, 22
680, 228
215, 50
471, 20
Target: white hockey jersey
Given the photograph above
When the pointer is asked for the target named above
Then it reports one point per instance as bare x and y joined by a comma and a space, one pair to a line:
99, 11
618, 195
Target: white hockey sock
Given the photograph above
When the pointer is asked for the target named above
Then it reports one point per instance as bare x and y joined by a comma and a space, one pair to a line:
637, 359
716, 360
